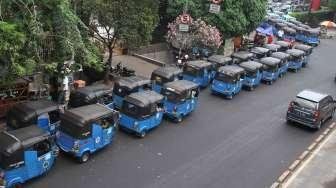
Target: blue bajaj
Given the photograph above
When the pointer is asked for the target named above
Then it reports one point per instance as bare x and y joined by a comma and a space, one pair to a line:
163, 75
241, 56
296, 59
126, 86
307, 49
283, 57
272, 47
25, 154
43, 113
284, 46
141, 112
300, 34
312, 37
198, 71
181, 98
218, 61
270, 69
253, 74
86, 129
228, 81
99, 93
260, 52
289, 34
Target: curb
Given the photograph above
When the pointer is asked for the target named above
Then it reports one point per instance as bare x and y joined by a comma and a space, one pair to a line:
302, 157
150, 60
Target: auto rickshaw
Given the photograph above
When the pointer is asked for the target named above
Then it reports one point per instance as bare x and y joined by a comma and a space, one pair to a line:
218, 61
253, 74
99, 93
141, 112
289, 34
284, 45
25, 154
198, 71
296, 59
181, 98
270, 69
307, 49
272, 47
163, 75
228, 81
241, 56
128, 85
43, 113
260, 52
312, 37
284, 57
86, 129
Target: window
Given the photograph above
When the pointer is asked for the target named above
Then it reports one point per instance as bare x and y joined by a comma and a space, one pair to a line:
191, 71
54, 116
42, 148
225, 78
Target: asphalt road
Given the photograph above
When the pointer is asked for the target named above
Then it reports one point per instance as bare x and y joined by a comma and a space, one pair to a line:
237, 143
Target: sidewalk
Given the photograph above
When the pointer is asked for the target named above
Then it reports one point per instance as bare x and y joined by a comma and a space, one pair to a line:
319, 171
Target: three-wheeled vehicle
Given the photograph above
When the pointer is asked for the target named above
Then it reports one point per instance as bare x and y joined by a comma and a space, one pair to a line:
253, 74
283, 45
272, 47
300, 34
228, 81
260, 52
163, 75
307, 49
86, 129
296, 59
141, 112
43, 113
99, 93
218, 61
126, 86
312, 37
241, 56
289, 34
181, 98
270, 69
283, 67
198, 71
25, 154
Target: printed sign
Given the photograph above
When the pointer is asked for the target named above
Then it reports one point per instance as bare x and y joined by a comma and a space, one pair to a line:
214, 8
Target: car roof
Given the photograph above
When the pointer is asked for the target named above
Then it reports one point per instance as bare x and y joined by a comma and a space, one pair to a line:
311, 95
85, 114
272, 47
221, 59
198, 63
250, 65
280, 55
167, 72
144, 98
133, 81
231, 69
270, 61
22, 138
181, 85
260, 50
295, 52
242, 55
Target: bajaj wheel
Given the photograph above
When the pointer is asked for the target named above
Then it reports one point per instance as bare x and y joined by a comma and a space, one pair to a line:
17, 185
318, 126
85, 157
142, 134
179, 119
229, 97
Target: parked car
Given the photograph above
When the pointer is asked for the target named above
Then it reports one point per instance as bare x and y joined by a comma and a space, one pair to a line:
311, 108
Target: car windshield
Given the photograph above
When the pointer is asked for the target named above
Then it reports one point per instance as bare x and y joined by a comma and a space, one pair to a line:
225, 78
74, 130
271, 68
251, 74
136, 111
172, 96
301, 102
191, 71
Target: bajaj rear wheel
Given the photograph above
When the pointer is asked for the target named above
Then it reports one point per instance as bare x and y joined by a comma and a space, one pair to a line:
85, 157
142, 134
17, 185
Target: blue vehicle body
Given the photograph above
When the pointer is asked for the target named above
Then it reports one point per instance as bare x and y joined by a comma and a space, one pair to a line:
271, 70
283, 66
198, 72
241, 56
218, 61
253, 74
312, 37
28, 153
228, 81
181, 98
296, 59
126, 86
43, 113
141, 112
86, 129
307, 49
163, 75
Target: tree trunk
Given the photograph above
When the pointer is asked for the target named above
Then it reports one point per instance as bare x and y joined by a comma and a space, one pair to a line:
108, 63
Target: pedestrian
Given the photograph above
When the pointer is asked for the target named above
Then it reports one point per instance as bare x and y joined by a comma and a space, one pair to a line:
237, 42
64, 95
269, 39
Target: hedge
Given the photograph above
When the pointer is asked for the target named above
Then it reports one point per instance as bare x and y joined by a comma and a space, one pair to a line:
314, 18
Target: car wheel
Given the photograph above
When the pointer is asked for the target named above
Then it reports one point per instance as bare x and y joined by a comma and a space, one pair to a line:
270, 82
319, 125
229, 97
85, 157
251, 88
179, 119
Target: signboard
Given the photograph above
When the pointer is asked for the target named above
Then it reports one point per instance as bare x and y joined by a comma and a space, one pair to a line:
214, 8
183, 27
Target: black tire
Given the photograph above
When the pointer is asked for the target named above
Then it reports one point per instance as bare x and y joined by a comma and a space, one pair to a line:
179, 119
17, 185
270, 82
319, 125
85, 157
142, 134
230, 97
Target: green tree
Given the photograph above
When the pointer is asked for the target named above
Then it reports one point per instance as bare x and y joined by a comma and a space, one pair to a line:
332, 6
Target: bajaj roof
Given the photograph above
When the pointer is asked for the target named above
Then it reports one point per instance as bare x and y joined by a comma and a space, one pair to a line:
95, 91
303, 47
167, 72
259, 50
133, 82
271, 61
272, 47
199, 64
251, 65
280, 55
220, 59
181, 85
144, 98
282, 43
231, 70
295, 52
242, 55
